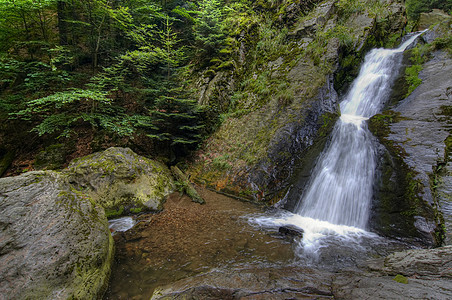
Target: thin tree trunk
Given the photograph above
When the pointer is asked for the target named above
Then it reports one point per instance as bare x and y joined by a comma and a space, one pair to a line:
62, 26
27, 34
42, 24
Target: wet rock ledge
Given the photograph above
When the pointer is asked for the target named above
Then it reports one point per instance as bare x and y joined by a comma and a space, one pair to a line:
413, 274
416, 169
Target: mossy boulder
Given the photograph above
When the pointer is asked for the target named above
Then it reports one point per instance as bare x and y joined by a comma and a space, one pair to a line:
54, 241
121, 181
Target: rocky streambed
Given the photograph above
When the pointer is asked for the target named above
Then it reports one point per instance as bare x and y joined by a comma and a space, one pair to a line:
192, 251
187, 239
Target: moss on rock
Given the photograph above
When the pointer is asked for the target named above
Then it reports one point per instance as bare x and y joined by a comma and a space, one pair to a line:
61, 233
121, 181
280, 86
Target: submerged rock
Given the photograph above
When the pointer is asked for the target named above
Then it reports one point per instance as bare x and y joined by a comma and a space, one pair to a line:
291, 231
54, 241
119, 180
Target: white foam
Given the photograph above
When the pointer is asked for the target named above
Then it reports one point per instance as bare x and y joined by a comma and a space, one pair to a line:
121, 224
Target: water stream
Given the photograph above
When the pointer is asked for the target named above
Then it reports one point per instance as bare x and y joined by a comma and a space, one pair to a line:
185, 239
121, 224
335, 205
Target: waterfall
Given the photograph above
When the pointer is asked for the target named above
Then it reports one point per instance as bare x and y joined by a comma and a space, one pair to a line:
334, 209
340, 189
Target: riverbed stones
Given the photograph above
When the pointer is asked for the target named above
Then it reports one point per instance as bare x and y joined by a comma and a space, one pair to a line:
54, 241
120, 180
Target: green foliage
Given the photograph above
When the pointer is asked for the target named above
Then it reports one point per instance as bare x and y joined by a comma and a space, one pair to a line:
443, 43
348, 7
271, 42
418, 57
221, 162
113, 67
136, 210
416, 7
412, 77
62, 111
112, 213
240, 17
209, 30
33, 77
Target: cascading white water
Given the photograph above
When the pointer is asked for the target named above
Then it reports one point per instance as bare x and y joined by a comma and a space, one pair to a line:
336, 203
340, 190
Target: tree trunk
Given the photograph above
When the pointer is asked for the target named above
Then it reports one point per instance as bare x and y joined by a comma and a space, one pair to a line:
62, 25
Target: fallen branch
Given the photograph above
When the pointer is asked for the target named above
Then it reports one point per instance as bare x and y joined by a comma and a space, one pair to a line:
188, 188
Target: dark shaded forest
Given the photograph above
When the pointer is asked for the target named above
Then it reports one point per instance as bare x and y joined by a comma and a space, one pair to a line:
80, 76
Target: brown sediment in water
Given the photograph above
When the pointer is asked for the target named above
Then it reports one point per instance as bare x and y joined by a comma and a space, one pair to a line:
186, 239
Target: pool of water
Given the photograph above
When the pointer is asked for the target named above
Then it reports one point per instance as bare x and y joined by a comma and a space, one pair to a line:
187, 239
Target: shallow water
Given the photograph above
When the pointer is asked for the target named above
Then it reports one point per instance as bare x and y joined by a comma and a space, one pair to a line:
187, 239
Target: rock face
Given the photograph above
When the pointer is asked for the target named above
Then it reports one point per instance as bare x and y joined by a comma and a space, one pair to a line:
54, 241
251, 283
120, 180
416, 172
414, 274
288, 100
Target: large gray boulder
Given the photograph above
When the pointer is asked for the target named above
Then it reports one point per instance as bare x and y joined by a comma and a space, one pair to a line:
120, 180
54, 241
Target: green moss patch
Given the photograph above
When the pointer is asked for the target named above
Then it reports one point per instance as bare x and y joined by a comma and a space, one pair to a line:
400, 279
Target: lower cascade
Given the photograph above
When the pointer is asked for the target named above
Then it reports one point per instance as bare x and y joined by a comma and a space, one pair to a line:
336, 203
